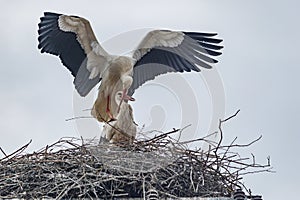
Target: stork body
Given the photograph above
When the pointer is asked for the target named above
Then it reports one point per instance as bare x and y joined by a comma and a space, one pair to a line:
123, 130
118, 76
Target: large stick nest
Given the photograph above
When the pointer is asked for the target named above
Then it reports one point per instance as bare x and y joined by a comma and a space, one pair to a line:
161, 166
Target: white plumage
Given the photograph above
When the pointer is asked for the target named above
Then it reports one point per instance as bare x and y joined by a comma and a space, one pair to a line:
118, 76
123, 130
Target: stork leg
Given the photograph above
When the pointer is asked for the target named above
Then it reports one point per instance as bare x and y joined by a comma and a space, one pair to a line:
108, 110
125, 97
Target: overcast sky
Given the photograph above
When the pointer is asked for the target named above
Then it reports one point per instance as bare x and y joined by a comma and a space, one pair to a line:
259, 69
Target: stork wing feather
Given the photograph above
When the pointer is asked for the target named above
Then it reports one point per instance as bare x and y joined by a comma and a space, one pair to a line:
163, 51
72, 39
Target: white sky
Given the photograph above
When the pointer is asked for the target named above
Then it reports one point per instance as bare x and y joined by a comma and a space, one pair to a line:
259, 68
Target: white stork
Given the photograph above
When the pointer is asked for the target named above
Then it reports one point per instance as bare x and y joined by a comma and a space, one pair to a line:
160, 51
123, 130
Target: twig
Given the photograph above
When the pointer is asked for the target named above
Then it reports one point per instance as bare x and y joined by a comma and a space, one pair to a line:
230, 117
3, 152
220, 126
82, 117
20, 150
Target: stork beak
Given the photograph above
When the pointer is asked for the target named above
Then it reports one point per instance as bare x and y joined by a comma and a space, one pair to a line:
128, 98
125, 98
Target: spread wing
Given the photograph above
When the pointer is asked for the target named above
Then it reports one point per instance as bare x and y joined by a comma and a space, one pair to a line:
73, 40
163, 51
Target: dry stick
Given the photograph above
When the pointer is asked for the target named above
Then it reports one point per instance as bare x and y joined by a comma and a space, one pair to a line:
3, 152
218, 160
81, 117
149, 132
227, 149
221, 136
242, 145
20, 150
157, 138
68, 188
220, 126
182, 129
198, 139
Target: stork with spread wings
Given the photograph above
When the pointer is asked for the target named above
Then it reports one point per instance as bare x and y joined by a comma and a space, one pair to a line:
160, 51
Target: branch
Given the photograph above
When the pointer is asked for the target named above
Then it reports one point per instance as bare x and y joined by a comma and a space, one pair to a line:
20, 150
